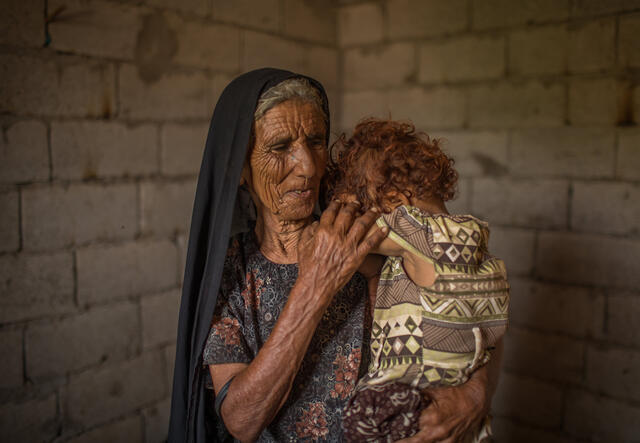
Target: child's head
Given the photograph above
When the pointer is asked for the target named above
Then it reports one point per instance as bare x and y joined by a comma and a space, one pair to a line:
385, 159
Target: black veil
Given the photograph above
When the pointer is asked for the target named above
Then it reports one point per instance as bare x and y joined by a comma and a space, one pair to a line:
192, 417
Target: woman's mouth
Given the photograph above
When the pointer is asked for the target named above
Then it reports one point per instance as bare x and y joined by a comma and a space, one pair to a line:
300, 193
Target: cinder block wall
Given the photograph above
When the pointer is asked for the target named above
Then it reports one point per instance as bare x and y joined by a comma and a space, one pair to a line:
102, 132
538, 101
105, 107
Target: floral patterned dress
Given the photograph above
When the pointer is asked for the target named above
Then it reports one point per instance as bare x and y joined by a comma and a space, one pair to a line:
253, 293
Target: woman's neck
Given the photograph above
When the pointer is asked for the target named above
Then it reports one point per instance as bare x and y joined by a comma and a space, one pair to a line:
278, 239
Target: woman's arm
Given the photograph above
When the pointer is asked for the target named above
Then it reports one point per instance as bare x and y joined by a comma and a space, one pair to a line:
329, 253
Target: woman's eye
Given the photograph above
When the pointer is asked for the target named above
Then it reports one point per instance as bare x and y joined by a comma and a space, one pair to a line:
278, 148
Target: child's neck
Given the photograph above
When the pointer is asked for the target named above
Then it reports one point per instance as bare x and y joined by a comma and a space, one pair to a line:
432, 206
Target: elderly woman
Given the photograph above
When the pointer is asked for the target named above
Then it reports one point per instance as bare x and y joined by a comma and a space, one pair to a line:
279, 323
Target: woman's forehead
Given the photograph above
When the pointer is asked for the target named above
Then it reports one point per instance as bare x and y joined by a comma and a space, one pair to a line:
292, 115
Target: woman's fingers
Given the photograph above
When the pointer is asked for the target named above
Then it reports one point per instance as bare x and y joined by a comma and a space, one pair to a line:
372, 241
329, 215
344, 220
362, 225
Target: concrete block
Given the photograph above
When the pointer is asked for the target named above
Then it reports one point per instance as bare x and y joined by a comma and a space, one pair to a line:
22, 23
322, 64
315, 21
262, 50
505, 431
156, 422
628, 158
61, 86
429, 109
359, 105
606, 207
160, 318
166, 208
524, 203
360, 24
628, 45
614, 372
592, 46
109, 272
425, 18
99, 395
596, 418
515, 247
205, 45
564, 309
569, 258
544, 356
476, 153
538, 51
508, 105
528, 400
594, 102
621, 322
261, 14
563, 152
96, 28
98, 335
11, 368
35, 286
125, 430
462, 58
84, 150
197, 7
380, 67
24, 154
181, 148
178, 96
56, 217
32, 420
9, 222
461, 202
506, 13
582, 8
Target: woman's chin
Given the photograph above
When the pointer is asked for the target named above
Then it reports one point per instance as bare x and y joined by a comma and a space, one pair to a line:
296, 212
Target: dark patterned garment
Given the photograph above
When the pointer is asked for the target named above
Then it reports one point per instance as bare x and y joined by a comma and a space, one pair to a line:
253, 293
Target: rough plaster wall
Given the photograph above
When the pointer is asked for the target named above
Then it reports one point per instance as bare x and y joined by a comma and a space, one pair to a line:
102, 134
539, 102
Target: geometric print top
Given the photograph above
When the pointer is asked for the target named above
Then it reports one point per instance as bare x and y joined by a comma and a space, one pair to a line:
437, 335
252, 294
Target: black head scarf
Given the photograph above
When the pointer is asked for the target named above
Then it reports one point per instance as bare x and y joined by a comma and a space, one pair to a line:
224, 155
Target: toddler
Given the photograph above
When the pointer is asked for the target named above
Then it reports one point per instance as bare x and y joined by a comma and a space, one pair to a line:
442, 299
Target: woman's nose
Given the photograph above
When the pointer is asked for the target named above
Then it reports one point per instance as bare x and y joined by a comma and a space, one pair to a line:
305, 162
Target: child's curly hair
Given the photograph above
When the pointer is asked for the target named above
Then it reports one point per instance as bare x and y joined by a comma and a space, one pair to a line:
389, 157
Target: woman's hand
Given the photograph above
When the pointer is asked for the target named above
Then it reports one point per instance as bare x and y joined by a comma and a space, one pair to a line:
456, 412
331, 250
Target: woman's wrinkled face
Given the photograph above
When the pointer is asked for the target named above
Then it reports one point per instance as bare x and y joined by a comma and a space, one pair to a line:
288, 159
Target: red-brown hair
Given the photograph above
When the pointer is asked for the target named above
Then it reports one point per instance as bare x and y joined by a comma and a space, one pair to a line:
384, 157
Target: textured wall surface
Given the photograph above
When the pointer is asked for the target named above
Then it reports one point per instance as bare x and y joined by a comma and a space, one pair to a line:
102, 135
104, 106
539, 103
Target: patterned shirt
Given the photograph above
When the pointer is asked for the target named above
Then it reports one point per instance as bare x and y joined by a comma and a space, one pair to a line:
253, 293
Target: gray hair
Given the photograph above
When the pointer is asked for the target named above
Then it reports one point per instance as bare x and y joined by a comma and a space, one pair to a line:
293, 88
